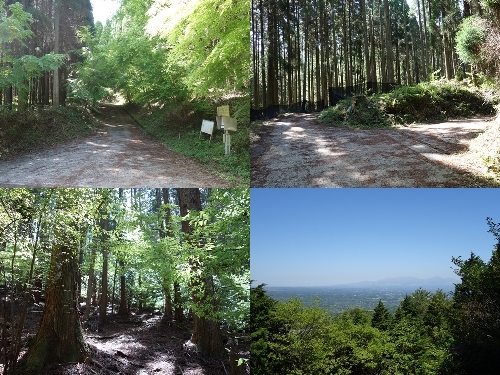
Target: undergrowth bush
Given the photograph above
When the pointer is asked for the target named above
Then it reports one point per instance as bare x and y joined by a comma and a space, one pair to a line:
435, 101
425, 102
31, 130
365, 114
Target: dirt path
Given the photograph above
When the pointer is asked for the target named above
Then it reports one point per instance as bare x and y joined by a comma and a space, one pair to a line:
146, 346
297, 151
120, 154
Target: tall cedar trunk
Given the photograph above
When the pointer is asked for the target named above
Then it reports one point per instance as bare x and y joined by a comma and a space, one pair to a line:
103, 302
368, 76
263, 57
206, 333
56, 84
255, 62
90, 284
390, 55
373, 63
59, 338
164, 232
122, 310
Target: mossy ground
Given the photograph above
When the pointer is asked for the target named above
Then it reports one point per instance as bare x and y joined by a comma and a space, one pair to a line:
36, 129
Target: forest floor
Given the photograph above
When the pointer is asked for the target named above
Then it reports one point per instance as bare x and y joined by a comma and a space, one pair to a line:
297, 151
142, 345
119, 154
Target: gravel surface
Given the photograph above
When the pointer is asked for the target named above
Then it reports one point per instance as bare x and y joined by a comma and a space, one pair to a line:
120, 154
298, 151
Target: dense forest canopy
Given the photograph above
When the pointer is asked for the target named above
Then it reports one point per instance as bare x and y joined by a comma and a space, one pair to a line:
181, 252
309, 54
429, 333
149, 52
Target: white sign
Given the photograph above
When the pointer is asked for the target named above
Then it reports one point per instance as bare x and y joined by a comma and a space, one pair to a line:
207, 127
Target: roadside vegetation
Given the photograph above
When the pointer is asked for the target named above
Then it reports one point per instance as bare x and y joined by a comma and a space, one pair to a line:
179, 128
428, 334
173, 61
425, 102
36, 129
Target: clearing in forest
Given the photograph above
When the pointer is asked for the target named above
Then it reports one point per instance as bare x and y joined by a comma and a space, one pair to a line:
297, 151
120, 154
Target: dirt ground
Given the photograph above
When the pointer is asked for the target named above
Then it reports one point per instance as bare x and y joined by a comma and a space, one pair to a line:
298, 151
120, 154
142, 345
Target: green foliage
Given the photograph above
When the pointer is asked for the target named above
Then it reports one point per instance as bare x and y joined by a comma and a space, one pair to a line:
476, 300
179, 127
438, 100
293, 339
367, 114
212, 41
22, 132
469, 38
425, 102
17, 71
381, 318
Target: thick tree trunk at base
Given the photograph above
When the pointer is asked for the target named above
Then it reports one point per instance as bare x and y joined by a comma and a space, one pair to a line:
59, 339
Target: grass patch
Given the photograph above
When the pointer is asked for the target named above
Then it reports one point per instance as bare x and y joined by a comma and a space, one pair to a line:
426, 102
33, 130
179, 124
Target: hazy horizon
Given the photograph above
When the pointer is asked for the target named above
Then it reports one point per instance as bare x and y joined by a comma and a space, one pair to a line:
454, 279
326, 237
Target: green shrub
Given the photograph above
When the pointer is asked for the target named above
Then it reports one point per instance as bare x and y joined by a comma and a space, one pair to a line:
28, 131
469, 38
425, 102
367, 114
434, 101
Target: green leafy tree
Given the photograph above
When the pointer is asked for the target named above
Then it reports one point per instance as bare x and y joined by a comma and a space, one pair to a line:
382, 318
17, 71
477, 309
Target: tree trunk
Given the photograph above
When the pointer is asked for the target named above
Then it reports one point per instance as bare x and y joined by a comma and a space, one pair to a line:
90, 284
122, 310
56, 84
390, 54
178, 312
59, 338
103, 302
206, 334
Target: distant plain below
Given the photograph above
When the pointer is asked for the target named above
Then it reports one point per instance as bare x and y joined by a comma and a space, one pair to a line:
365, 294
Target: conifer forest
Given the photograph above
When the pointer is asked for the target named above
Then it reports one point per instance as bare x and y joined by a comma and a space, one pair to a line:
308, 55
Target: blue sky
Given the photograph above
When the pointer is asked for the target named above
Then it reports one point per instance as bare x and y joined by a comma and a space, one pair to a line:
313, 237
104, 9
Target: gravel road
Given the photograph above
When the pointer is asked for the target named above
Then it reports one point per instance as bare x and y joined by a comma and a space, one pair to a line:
120, 154
297, 151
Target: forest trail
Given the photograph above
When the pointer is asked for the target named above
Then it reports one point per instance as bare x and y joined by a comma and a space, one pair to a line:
297, 151
143, 345
120, 154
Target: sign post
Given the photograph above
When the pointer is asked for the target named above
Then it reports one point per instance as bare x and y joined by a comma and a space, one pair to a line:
226, 123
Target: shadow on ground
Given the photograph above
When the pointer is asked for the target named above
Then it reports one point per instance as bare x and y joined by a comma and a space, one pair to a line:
297, 151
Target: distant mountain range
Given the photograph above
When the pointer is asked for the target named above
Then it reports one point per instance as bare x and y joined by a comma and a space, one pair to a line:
410, 282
